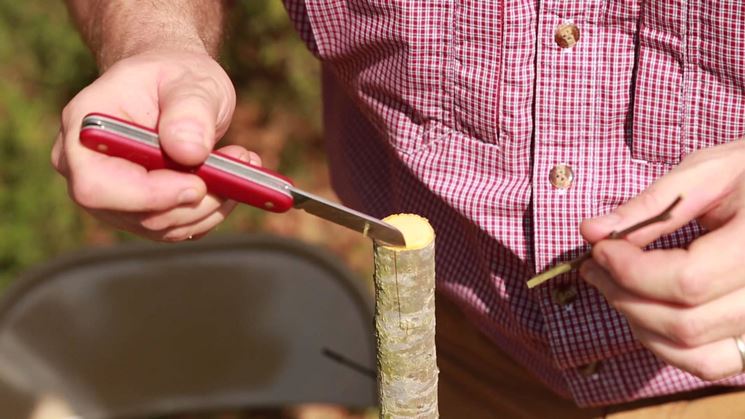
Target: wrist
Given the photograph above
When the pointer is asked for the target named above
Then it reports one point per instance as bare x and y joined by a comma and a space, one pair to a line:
121, 29
107, 57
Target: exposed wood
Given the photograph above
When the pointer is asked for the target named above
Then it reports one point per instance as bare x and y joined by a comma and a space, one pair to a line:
405, 321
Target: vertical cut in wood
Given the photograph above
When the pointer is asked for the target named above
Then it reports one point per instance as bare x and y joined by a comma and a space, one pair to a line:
405, 321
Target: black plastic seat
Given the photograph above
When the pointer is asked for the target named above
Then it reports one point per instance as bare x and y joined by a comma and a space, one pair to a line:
148, 329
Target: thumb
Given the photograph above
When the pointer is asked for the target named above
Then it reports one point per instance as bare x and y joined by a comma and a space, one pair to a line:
190, 113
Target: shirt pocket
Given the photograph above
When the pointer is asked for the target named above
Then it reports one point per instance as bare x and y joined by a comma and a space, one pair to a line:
392, 57
716, 48
659, 99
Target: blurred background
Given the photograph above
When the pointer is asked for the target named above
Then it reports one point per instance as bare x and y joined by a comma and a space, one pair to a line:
43, 64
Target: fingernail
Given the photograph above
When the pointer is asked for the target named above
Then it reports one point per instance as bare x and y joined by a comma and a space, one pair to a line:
254, 159
589, 271
188, 196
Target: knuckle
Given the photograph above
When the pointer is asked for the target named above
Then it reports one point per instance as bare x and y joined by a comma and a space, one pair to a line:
701, 156
153, 198
694, 158
689, 287
57, 159
85, 193
200, 97
739, 251
85, 99
650, 200
686, 330
225, 85
614, 299
67, 113
707, 368
628, 275
211, 85
736, 316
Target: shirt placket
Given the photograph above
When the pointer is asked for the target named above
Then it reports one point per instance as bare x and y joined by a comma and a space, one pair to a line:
565, 142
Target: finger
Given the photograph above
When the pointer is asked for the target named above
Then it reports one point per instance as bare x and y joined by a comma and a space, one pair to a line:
199, 228
703, 179
189, 214
112, 183
254, 159
131, 222
241, 154
649, 274
182, 215
686, 326
97, 181
710, 362
58, 160
96, 98
708, 269
598, 277
727, 209
191, 109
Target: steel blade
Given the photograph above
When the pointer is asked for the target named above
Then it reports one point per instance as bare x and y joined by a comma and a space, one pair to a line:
347, 217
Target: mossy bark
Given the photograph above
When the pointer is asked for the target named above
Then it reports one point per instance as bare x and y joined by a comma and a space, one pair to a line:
405, 331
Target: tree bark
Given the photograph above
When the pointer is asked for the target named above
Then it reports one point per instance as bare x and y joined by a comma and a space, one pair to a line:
405, 322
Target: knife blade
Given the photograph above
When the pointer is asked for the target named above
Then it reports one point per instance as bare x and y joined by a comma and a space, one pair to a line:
228, 177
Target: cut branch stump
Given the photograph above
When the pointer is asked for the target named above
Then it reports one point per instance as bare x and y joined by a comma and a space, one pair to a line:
405, 321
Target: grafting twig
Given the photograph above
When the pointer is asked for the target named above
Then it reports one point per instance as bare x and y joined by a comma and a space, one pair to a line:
575, 263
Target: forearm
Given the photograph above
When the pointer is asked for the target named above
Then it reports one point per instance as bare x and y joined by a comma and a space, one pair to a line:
118, 29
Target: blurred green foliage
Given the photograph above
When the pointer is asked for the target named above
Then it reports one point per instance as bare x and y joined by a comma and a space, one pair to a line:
267, 61
43, 63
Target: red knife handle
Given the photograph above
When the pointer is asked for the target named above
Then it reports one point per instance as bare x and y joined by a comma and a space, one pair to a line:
224, 176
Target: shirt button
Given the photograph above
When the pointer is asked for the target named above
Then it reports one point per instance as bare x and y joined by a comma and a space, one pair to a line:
561, 176
567, 35
564, 295
590, 369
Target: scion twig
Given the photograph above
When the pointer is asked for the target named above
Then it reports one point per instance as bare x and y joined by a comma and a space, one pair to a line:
575, 263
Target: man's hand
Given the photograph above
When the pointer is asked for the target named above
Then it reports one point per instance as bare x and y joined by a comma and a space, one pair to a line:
158, 71
685, 305
190, 99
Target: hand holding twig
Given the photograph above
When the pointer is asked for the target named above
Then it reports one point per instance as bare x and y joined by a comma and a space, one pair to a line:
575, 263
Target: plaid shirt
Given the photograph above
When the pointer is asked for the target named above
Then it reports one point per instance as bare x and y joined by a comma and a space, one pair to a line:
459, 110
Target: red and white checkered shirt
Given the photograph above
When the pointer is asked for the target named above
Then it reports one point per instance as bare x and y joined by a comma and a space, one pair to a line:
458, 110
